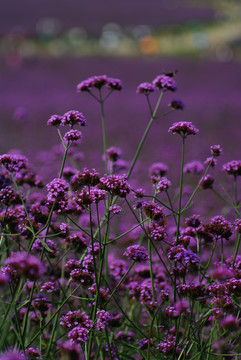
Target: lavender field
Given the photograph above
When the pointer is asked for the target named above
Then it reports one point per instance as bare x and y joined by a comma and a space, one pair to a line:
120, 220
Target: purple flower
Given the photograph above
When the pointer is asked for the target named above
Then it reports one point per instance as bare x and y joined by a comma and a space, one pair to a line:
136, 253
165, 82
143, 344
210, 161
85, 85
87, 177
73, 135
220, 227
88, 196
193, 167
115, 184
76, 318
103, 319
14, 163
163, 184
70, 350
230, 323
25, 265
12, 355
145, 88
33, 353
153, 211
183, 128
233, 167
176, 104
73, 117
158, 169
82, 276
78, 240
116, 209
238, 225
98, 81
114, 84
216, 150
94, 81
79, 334
118, 268
55, 120
207, 182
47, 287
156, 232
194, 221
57, 188
113, 153
71, 265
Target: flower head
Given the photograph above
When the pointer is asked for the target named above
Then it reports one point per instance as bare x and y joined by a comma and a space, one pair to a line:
114, 84
183, 128
72, 118
25, 265
221, 227
216, 150
145, 88
136, 253
163, 184
55, 120
115, 184
72, 135
233, 167
193, 167
207, 182
165, 82
176, 104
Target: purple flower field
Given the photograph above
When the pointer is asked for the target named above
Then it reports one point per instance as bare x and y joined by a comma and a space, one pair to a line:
120, 213
140, 257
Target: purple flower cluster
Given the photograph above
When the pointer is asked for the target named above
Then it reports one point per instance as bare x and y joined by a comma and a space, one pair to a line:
136, 253
145, 88
115, 184
14, 163
72, 135
163, 184
103, 319
183, 128
194, 167
220, 227
216, 150
98, 82
233, 168
207, 182
71, 118
165, 82
25, 265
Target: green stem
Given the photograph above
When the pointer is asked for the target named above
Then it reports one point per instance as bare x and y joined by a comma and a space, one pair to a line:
196, 189
237, 243
180, 192
145, 134
103, 130
120, 282
209, 260
53, 316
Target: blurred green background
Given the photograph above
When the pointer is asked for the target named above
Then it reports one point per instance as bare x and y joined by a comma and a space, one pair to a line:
207, 29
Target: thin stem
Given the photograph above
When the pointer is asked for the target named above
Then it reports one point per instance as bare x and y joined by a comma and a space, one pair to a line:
103, 130
145, 135
196, 189
180, 192
119, 283
209, 260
